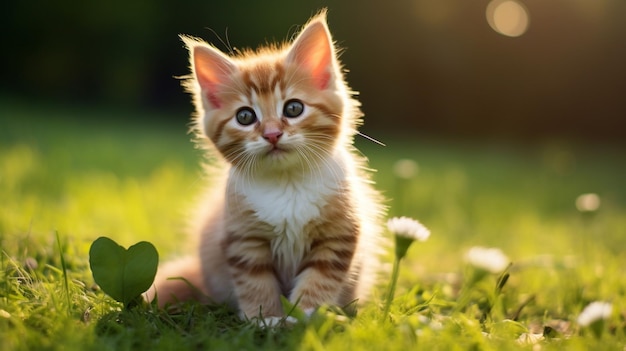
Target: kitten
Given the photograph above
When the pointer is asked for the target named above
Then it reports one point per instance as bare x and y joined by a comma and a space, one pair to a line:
295, 214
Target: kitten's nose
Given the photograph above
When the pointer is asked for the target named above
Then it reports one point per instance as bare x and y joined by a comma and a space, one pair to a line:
272, 132
273, 136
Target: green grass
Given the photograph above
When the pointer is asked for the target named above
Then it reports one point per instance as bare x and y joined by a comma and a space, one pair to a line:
84, 174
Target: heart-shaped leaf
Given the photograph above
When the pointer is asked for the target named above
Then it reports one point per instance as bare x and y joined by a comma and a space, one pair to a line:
123, 274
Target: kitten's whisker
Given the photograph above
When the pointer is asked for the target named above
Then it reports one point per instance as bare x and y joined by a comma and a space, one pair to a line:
310, 165
370, 138
303, 159
320, 154
225, 43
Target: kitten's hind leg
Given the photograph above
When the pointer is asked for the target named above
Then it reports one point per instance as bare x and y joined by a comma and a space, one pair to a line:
177, 281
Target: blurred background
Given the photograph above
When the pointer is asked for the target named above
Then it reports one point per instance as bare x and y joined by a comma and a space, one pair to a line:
502, 69
505, 125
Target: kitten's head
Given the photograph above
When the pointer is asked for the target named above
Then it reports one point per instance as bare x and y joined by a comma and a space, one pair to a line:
276, 108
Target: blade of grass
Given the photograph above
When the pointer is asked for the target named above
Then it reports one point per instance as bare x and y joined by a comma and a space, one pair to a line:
64, 267
5, 280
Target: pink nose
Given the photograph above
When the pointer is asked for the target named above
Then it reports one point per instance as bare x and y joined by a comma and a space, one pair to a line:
273, 136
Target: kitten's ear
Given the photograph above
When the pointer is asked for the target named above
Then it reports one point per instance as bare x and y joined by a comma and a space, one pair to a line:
313, 50
210, 67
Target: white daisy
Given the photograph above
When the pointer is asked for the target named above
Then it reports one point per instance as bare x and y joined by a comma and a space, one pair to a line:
406, 231
595, 311
490, 259
408, 228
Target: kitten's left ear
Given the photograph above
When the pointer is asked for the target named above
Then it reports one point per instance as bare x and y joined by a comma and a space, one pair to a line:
211, 68
313, 50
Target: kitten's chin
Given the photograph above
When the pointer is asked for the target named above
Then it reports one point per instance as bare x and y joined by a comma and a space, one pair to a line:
276, 152
280, 158
279, 155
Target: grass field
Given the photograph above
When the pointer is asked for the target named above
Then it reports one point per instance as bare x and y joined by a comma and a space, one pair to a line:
83, 174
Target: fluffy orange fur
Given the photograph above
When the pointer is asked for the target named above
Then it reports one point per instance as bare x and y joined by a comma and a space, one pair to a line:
295, 213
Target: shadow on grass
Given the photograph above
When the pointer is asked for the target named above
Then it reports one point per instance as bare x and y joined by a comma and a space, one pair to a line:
191, 326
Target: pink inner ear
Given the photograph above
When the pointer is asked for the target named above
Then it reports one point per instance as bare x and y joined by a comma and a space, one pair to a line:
212, 97
320, 59
313, 51
322, 80
212, 69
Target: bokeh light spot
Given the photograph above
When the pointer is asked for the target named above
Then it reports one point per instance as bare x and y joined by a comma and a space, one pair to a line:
508, 17
405, 169
588, 202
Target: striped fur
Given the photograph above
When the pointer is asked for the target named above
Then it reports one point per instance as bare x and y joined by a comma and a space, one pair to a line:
296, 214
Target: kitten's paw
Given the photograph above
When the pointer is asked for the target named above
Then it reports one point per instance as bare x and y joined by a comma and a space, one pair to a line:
275, 322
289, 320
308, 312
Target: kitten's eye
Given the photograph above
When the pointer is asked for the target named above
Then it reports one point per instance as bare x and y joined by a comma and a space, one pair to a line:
293, 108
245, 116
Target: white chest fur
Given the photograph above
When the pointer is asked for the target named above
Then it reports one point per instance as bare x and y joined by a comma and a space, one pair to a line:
288, 202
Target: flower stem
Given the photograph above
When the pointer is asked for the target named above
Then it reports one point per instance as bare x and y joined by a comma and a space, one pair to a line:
392, 287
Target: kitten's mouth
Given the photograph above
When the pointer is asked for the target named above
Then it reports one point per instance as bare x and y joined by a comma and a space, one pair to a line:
276, 151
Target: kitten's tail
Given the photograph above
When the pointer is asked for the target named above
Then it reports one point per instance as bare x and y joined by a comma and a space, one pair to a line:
177, 281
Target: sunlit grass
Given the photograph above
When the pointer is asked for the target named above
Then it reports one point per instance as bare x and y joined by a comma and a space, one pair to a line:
84, 175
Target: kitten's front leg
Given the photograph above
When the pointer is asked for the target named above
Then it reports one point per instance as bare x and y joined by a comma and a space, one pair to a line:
250, 264
325, 271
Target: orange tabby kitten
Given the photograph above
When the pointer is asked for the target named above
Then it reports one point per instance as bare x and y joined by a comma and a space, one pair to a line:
296, 215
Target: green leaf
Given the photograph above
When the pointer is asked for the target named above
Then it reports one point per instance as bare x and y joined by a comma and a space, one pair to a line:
123, 274
508, 329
